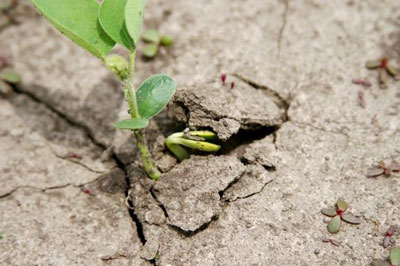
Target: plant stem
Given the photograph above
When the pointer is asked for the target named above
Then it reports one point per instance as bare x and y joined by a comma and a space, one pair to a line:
130, 96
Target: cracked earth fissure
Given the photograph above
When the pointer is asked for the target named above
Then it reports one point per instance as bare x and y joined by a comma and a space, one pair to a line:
90, 136
272, 94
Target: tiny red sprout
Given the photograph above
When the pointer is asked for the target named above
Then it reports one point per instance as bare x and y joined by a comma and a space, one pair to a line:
339, 212
384, 62
361, 99
232, 85
362, 82
87, 191
223, 78
383, 169
73, 155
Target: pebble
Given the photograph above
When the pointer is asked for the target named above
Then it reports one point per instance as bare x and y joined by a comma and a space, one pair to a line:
316, 251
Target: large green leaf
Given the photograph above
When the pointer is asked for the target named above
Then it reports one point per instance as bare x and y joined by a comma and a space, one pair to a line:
112, 19
154, 94
395, 256
334, 225
134, 11
77, 19
130, 124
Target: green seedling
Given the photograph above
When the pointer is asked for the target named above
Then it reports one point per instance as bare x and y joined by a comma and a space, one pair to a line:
154, 42
338, 212
385, 69
383, 169
8, 77
98, 28
197, 140
394, 259
388, 235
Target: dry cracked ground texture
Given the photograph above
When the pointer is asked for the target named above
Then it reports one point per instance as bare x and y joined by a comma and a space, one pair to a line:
296, 139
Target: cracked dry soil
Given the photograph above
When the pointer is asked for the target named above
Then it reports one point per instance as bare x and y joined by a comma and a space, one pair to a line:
294, 140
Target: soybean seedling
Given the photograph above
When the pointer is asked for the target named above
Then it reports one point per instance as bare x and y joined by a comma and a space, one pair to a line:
154, 42
385, 69
388, 235
338, 212
197, 140
97, 28
394, 259
383, 169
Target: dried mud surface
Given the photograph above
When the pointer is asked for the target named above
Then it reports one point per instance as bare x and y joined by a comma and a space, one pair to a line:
295, 140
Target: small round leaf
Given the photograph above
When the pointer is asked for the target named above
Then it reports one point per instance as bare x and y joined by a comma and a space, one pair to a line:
376, 262
342, 205
350, 218
151, 36
10, 76
150, 50
372, 64
154, 94
386, 241
374, 172
395, 256
334, 225
331, 212
166, 41
131, 124
393, 71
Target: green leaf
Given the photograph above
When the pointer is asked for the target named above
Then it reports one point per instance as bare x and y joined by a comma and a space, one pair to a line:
134, 11
372, 64
151, 36
78, 21
334, 225
350, 218
395, 256
10, 76
154, 94
112, 19
329, 211
166, 41
393, 71
342, 205
376, 262
150, 50
374, 172
130, 124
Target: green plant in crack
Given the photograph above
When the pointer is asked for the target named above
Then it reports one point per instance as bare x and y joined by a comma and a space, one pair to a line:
394, 259
338, 212
154, 41
98, 28
8, 77
197, 140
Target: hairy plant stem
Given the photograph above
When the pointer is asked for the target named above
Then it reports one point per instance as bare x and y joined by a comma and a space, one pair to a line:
130, 96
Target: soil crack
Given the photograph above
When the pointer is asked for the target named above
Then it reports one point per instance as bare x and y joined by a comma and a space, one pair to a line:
274, 95
303, 124
283, 26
